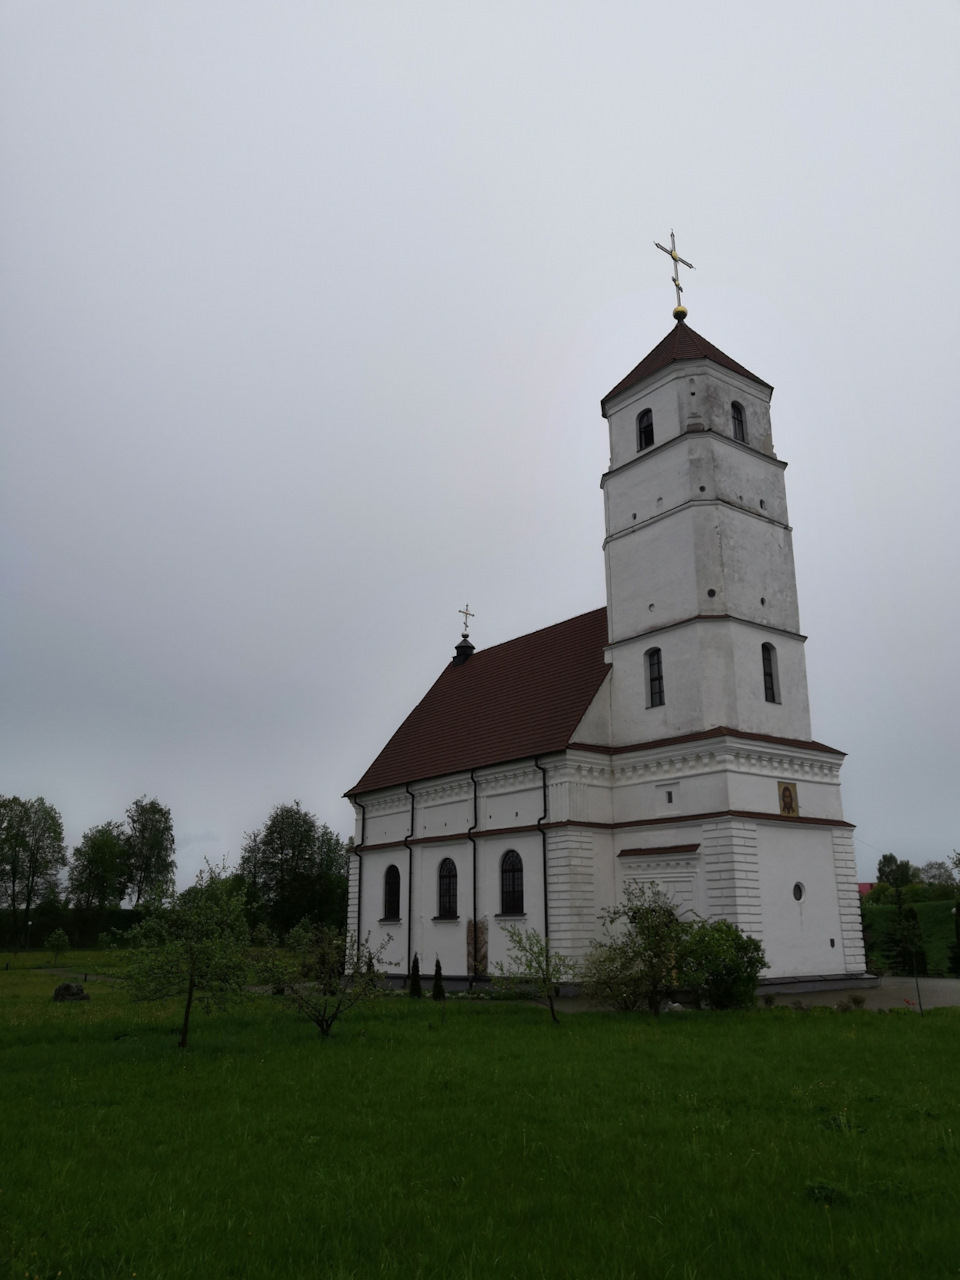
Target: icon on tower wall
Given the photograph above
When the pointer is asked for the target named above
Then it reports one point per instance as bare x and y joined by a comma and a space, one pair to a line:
789, 808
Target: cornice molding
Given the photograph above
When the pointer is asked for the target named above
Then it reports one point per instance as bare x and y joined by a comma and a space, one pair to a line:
692, 621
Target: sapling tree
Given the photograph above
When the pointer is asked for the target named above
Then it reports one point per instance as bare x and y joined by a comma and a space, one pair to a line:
57, 942
533, 968
195, 947
642, 958
439, 991
322, 974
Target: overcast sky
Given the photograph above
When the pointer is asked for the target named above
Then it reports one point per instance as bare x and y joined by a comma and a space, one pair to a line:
306, 310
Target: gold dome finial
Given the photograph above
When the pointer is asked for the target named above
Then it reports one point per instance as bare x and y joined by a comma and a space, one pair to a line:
679, 311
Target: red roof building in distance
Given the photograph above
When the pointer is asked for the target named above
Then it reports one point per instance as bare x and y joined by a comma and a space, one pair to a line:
663, 739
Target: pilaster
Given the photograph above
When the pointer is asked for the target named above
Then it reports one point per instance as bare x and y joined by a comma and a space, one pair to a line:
732, 874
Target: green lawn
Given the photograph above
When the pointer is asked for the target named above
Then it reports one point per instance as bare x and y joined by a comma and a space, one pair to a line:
473, 1140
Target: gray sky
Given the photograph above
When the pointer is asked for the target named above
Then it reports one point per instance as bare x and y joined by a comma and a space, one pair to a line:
307, 310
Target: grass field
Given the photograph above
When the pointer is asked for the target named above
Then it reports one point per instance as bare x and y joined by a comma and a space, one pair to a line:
473, 1140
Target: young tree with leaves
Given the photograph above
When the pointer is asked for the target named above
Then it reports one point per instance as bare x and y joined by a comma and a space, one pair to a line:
195, 947
57, 942
533, 968
320, 975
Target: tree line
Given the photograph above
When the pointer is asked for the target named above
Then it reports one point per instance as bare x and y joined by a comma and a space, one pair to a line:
291, 867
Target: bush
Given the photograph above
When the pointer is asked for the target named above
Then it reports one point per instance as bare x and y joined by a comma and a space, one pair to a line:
723, 965
640, 961
648, 954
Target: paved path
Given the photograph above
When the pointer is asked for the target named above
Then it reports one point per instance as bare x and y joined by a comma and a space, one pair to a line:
935, 993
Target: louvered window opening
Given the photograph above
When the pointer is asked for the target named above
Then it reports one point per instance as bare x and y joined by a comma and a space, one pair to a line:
655, 660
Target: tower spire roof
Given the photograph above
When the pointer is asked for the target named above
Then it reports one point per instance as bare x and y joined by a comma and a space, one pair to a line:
681, 343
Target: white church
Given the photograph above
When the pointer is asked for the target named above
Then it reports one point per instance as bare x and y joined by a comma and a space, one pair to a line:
663, 738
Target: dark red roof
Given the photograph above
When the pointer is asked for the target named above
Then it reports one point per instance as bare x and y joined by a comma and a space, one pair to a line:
681, 343
514, 700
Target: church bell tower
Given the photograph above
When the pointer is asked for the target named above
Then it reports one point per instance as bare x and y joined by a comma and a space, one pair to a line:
701, 593
720, 795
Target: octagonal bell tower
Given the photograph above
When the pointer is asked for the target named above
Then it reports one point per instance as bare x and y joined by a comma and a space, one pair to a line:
704, 626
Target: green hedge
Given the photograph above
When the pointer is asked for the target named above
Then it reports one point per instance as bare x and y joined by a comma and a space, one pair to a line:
936, 925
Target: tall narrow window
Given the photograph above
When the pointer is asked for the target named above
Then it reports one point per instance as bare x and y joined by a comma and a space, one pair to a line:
654, 662
645, 430
511, 884
391, 894
447, 904
739, 432
771, 676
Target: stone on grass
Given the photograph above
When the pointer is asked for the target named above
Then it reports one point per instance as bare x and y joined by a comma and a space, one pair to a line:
70, 991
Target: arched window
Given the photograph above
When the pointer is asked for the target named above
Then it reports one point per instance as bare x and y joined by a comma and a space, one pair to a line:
511, 884
447, 900
739, 431
391, 893
645, 430
653, 660
771, 676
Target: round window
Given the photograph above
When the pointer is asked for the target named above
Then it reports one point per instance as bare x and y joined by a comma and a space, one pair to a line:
798, 892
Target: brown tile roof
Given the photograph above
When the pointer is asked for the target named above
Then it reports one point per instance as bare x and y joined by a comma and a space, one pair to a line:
518, 699
681, 343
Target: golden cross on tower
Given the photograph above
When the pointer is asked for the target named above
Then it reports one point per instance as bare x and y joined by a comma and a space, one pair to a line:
467, 615
680, 311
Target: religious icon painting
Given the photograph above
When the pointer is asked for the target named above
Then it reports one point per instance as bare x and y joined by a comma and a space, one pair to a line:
789, 808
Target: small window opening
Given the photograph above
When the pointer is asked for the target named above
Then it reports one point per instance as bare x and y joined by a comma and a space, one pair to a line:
447, 904
798, 892
771, 677
511, 884
736, 411
669, 797
654, 663
645, 430
391, 894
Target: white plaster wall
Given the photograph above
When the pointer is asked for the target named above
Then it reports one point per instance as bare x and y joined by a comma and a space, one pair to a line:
373, 867
713, 675
662, 572
388, 816
652, 578
818, 796
511, 796
796, 935
700, 468
432, 937
691, 394
678, 877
